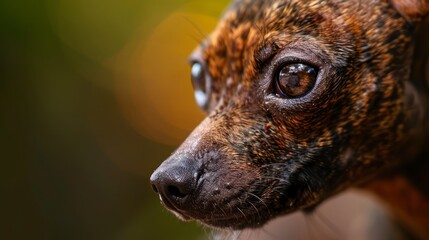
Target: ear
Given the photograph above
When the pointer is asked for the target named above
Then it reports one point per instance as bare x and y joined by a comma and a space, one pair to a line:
412, 10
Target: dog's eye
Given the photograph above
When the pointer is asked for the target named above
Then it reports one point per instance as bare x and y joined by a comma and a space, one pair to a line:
295, 80
200, 84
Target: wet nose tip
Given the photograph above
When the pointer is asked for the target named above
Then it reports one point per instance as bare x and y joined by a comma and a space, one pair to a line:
174, 184
153, 182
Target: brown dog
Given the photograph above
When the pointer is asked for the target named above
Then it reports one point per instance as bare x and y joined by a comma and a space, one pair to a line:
305, 99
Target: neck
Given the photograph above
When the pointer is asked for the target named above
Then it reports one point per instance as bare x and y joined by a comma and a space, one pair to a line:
406, 189
406, 193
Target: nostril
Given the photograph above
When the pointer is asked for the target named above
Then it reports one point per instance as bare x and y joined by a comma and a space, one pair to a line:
154, 188
174, 189
177, 192
175, 182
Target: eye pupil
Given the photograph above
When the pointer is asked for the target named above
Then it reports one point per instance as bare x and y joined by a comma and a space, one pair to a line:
295, 80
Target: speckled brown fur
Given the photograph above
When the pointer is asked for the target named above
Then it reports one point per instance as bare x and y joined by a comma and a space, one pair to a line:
259, 155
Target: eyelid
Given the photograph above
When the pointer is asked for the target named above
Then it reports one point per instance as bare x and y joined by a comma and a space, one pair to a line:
291, 59
196, 56
265, 54
296, 55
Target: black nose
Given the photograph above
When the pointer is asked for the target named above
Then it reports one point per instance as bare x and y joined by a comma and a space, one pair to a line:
175, 181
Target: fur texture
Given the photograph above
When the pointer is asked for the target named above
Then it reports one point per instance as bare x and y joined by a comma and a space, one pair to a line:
259, 155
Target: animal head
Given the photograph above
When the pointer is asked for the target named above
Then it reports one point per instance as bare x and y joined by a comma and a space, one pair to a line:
303, 99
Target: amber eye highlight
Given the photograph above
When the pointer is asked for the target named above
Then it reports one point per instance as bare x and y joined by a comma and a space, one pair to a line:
295, 80
200, 84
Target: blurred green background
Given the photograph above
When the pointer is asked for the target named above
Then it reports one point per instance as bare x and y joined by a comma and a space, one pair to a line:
95, 94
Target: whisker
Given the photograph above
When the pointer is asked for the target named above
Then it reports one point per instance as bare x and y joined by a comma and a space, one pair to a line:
328, 231
262, 201
256, 209
195, 38
196, 27
274, 178
221, 235
308, 223
272, 235
254, 233
229, 235
331, 226
244, 215
274, 164
223, 211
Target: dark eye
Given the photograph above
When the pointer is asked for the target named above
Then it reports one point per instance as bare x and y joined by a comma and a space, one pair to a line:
295, 80
200, 83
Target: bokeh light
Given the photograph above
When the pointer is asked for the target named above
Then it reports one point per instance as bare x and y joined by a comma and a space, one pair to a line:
94, 96
154, 86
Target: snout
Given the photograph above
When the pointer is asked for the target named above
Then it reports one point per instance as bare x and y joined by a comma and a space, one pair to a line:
175, 181
209, 180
